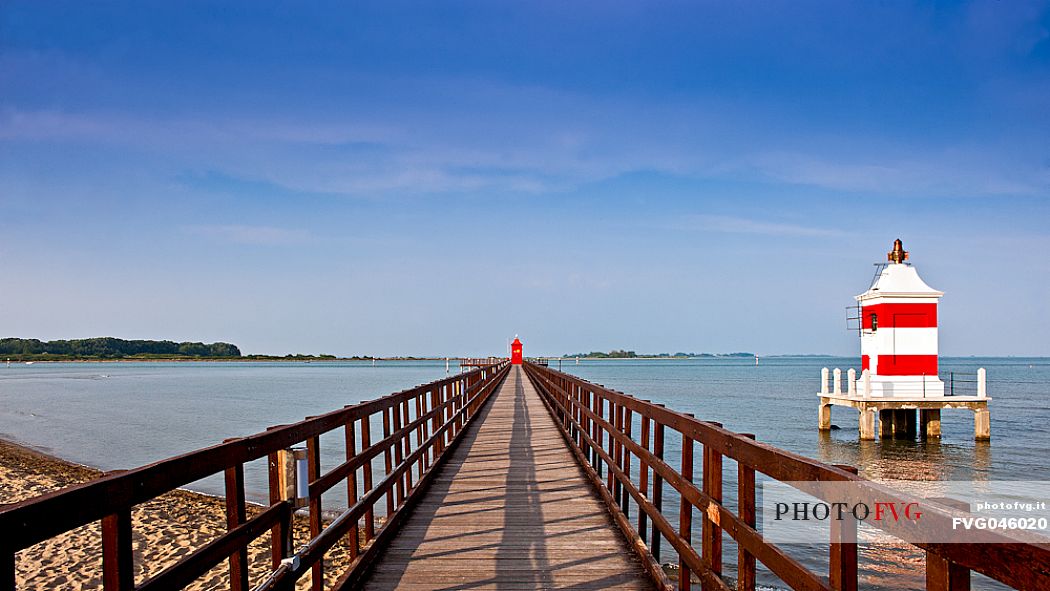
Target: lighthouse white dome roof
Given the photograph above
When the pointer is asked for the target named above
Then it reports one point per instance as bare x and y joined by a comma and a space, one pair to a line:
899, 280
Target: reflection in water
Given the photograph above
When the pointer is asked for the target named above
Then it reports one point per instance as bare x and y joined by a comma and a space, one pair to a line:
925, 464
903, 459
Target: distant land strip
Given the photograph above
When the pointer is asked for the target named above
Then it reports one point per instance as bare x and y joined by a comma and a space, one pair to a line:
622, 354
114, 349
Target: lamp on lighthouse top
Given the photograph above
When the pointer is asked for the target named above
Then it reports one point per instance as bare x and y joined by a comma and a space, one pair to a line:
899, 331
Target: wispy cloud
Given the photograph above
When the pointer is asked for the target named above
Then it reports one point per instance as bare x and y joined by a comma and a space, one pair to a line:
948, 172
251, 235
742, 225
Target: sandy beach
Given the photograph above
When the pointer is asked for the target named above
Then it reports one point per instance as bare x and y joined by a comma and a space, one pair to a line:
166, 529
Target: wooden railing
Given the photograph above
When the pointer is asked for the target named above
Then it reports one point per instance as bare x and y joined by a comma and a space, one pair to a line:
480, 361
420, 427
598, 425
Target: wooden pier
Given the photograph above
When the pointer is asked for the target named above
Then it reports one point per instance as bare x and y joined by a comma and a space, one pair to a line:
503, 477
511, 509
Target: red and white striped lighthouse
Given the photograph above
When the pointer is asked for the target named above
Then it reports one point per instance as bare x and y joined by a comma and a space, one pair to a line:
898, 342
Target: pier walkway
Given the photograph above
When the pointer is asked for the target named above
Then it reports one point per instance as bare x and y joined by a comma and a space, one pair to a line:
511, 509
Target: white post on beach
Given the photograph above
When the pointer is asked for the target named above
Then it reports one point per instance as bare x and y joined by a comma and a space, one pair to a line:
982, 388
851, 382
838, 381
824, 381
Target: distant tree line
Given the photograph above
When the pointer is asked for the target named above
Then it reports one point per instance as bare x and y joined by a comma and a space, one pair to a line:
112, 348
614, 354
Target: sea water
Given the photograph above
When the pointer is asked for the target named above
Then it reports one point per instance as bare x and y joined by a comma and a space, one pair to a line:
777, 401
123, 415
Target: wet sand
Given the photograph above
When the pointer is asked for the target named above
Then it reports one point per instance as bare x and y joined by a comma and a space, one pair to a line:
166, 529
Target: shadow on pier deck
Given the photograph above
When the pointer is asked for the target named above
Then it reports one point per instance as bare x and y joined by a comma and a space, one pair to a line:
517, 514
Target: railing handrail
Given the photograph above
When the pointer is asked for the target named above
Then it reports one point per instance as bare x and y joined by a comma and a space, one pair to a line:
439, 421
1019, 563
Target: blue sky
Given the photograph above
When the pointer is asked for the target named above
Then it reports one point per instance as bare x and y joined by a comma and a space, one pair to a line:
402, 178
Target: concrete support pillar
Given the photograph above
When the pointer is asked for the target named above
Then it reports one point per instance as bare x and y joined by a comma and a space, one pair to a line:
867, 424
910, 423
824, 415
930, 422
886, 420
897, 422
982, 424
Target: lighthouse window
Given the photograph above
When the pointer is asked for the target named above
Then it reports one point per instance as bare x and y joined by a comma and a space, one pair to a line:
874, 322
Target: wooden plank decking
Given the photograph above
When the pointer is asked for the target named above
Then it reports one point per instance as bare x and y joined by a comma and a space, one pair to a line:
510, 510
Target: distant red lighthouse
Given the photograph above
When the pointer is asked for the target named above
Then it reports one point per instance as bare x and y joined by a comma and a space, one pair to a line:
515, 352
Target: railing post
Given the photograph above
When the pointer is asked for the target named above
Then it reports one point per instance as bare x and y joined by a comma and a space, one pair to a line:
447, 395
658, 486
366, 442
599, 440
627, 425
712, 532
118, 564
388, 462
586, 403
456, 398
746, 508
421, 465
280, 539
236, 514
579, 395
406, 443
566, 415
643, 477
313, 470
615, 452
942, 574
351, 486
842, 572
399, 454
435, 421
685, 512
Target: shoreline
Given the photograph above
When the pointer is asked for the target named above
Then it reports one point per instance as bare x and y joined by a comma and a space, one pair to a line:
166, 529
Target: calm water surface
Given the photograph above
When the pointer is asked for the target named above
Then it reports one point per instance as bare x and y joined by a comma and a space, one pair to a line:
776, 400
122, 415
